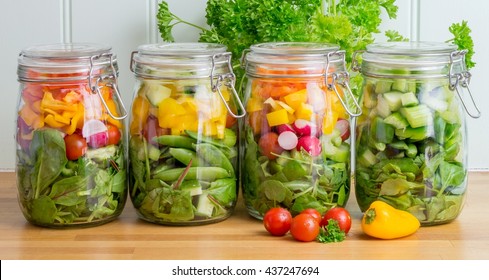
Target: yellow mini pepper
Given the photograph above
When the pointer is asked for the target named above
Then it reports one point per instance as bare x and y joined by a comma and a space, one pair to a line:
383, 221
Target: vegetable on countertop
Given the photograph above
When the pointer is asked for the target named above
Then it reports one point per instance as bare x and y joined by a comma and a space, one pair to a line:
386, 222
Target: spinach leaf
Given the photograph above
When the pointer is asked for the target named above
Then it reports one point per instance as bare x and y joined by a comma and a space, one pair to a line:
43, 210
224, 191
49, 154
65, 191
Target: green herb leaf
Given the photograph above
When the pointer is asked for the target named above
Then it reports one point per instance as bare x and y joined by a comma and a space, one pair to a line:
463, 40
331, 233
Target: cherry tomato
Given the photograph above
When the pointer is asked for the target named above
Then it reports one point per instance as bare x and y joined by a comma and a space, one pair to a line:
314, 213
114, 134
339, 214
277, 221
76, 146
269, 144
304, 227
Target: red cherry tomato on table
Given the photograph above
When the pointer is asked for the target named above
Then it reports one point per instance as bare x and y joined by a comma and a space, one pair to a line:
341, 215
76, 146
114, 135
277, 221
314, 213
304, 227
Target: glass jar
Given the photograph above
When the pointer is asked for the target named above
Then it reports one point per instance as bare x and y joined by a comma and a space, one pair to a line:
71, 166
183, 134
295, 140
412, 137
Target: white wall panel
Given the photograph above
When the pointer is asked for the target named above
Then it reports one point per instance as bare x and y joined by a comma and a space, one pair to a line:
120, 24
22, 23
435, 18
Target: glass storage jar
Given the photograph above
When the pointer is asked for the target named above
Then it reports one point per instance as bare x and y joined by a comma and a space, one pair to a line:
412, 138
295, 136
183, 134
70, 164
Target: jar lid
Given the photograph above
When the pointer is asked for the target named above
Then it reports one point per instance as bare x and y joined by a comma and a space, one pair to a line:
412, 48
177, 60
287, 59
62, 61
410, 59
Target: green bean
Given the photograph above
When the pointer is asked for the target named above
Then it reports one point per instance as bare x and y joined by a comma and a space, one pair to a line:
175, 141
185, 155
214, 156
210, 173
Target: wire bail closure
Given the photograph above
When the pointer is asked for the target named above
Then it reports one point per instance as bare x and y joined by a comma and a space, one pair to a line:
341, 78
461, 79
96, 88
229, 80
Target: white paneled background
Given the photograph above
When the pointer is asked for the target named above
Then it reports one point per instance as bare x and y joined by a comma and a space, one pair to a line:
125, 24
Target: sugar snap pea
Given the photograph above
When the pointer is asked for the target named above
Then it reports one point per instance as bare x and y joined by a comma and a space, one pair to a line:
229, 139
185, 155
175, 141
210, 173
214, 156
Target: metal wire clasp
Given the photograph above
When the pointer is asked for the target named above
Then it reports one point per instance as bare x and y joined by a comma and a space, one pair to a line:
229, 80
341, 78
95, 87
461, 78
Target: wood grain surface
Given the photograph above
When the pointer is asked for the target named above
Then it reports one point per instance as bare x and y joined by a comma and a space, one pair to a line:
239, 237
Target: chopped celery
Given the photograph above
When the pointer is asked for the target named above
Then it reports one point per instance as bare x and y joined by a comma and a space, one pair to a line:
409, 99
204, 206
393, 99
396, 120
367, 158
369, 97
338, 154
400, 85
381, 131
412, 150
383, 108
400, 145
417, 116
414, 134
383, 86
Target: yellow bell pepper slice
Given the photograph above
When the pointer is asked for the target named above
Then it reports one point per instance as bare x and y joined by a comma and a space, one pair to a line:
295, 99
329, 121
278, 117
305, 111
254, 104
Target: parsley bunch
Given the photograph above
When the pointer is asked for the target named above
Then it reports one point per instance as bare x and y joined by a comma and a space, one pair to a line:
351, 24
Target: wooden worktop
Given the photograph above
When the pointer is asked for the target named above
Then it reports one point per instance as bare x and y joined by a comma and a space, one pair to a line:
239, 237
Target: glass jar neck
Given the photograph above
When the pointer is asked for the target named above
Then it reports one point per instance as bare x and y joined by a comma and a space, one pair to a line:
415, 60
66, 63
293, 60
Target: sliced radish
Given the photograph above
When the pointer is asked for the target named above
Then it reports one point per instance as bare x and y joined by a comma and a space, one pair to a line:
284, 127
305, 127
288, 140
343, 126
92, 127
310, 144
98, 140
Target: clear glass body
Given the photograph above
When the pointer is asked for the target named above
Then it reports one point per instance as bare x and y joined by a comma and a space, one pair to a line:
182, 139
295, 150
70, 164
411, 142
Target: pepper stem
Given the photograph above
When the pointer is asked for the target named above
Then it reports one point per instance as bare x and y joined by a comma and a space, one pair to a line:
370, 216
